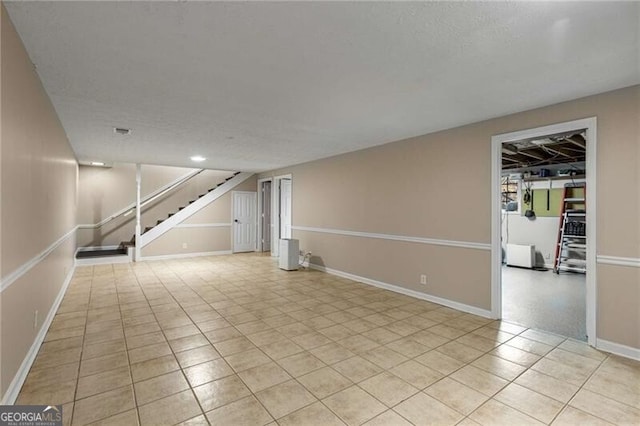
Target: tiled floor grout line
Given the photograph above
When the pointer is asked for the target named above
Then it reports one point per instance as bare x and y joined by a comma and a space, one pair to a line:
254, 394
173, 353
567, 404
84, 334
384, 326
126, 348
237, 373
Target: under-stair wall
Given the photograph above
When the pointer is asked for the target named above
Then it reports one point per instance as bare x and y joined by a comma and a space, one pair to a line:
104, 191
206, 232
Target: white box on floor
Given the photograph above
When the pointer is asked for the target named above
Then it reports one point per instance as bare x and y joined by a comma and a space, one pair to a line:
289, 252
521, 255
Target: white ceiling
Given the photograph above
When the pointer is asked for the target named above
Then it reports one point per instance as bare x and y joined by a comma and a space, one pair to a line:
256, 86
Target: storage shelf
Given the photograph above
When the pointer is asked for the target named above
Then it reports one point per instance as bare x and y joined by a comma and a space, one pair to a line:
537, 178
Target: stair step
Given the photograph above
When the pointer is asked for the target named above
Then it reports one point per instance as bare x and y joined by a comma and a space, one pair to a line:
159, 221
180, 208
201, 195
100, 253
169, 215
147, 229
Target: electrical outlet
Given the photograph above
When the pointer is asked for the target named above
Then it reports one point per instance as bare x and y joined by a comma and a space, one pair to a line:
35, 320
423, 279
184, 245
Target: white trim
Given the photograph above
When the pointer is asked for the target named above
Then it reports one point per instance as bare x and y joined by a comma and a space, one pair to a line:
92, 248
146, 198
618, 349
185, 255
633, 262
106, 260
192, 208
9, 279
407, 292
202, 225
590, 124
286, 176
391, 237
13, 390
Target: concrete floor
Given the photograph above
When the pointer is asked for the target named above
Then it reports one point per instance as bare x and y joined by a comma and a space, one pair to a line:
545, 301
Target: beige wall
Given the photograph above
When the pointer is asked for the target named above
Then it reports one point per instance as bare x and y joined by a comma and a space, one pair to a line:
439, 186
38, 179
105, 191
201, 239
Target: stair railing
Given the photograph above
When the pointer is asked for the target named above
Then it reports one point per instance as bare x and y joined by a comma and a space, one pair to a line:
160, 192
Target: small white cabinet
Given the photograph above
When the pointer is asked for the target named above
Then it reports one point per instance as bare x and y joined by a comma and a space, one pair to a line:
289, 252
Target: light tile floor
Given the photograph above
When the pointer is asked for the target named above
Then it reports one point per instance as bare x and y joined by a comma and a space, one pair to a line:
233, 340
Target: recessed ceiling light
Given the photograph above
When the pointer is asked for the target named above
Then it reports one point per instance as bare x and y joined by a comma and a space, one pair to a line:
97, 163
121, 131
198, 158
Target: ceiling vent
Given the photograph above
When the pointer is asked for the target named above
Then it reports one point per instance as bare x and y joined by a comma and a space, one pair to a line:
121, 131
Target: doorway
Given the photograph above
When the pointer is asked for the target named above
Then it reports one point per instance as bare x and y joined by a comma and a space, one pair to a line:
285, 208
265, 226
530, 171
282, 195
244, 221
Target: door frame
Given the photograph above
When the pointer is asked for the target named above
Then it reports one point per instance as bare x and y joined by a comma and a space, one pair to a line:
275, 212
233, 222
590, 126
259, 246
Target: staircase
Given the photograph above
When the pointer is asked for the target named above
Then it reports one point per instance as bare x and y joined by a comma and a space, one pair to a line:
132, 242
124, 252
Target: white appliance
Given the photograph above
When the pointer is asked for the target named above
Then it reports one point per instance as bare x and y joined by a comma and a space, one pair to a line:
521, 255
289, 252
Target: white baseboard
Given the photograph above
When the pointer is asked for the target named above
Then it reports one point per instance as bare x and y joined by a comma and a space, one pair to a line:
618, 349
407, 292
106, 260
186, 255
13, 390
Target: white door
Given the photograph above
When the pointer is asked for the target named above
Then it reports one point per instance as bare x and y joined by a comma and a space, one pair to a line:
244, 221
266, 216
285, 208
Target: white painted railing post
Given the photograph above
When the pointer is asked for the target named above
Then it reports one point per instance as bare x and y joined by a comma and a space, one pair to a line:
138, 227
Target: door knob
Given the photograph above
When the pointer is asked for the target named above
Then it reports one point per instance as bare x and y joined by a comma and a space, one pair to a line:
236, 221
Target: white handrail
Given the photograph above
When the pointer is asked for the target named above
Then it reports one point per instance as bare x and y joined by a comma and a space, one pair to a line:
146, 200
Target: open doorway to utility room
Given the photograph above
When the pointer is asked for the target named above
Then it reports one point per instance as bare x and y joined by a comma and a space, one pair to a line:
543, 232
